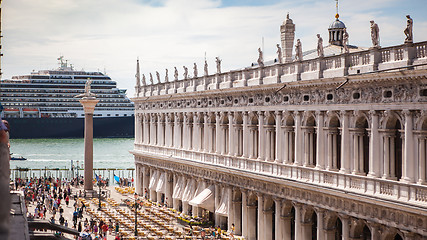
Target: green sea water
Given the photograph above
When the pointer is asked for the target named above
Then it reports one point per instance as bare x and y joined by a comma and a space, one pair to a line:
58, 153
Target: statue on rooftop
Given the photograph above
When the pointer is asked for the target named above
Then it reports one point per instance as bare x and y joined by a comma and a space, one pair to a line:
176, 74
151, 79
279, 53
218, 65
345, 41
320, 52
260, 58
185, 72
143, 80
195, 70
375, 34
298, 51
158, 76
206, 68
166, 76
408, 30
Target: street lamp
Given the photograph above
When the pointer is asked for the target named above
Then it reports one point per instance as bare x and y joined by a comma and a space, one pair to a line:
136, 214
99, 194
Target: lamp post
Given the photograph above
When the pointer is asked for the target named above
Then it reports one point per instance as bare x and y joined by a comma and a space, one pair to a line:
136, 214
99, 194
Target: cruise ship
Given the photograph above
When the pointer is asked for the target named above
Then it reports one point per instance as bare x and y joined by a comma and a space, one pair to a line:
42, 104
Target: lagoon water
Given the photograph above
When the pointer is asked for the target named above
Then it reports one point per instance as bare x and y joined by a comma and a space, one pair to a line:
58, 153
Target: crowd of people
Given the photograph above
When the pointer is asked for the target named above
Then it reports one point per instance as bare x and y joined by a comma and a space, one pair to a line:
47, 197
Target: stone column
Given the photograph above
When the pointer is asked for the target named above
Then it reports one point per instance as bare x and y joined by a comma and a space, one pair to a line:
261, 229
245, 135
279, 137
408, 174
159, 130
422, 159
175, 131
137, 128
206, 136
320, 153
237, 209
137, 179
230, 207
268, 224
374, 146
298, 234
320, 221
244, 214
169, 189
217, 202
88, 107
278, 220
287, 230
251, 224
345, 142
345, 227
298, 139
386, 154
185, 132
261, 136
218, 133
232, 141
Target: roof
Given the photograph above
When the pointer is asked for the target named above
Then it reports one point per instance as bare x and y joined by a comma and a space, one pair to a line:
337, 24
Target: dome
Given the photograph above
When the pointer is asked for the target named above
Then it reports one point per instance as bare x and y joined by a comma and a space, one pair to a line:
337, 24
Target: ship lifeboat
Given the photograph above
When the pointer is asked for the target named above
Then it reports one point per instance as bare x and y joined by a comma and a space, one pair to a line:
30, 110
11, 111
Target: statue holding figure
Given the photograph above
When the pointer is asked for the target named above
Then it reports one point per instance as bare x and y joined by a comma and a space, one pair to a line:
408, 30
206, 68
195, 70
166, 76
151, 79
260, 58
218, 65
176, 74
279, 53
320, 52
185, 72
298, 51
375, 34
87, 93
158, 76
345, 41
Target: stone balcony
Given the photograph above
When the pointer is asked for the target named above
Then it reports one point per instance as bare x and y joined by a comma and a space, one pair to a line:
361, 62
358, 185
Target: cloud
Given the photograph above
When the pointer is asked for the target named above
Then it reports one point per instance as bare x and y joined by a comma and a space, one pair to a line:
111, 34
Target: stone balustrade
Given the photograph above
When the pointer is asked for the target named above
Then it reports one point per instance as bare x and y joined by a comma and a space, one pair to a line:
372, 187
342, 65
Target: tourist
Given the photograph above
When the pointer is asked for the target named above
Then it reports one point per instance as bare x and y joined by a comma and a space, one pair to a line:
232, 231
117, 227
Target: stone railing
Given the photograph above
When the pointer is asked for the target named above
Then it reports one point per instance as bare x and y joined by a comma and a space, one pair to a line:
398, 191
327, 67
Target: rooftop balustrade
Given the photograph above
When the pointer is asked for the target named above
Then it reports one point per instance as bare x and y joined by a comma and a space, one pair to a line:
360, 62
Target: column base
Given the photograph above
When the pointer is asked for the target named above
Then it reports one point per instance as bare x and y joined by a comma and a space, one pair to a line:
90, 193
406, 180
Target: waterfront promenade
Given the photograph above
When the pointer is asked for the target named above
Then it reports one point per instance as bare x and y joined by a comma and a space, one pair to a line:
154, 221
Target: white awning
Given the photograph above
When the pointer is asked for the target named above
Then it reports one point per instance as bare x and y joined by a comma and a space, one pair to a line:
161, 183
178, 189
153, 181
188, 191
205, 199
222, 209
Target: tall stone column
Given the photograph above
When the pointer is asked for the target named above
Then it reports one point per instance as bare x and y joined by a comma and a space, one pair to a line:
345, 142
374, 146
279, 137
261, 136
320, 150
218, 133
260, 223
245, 135
298, 138
408, 160
244, 214
232, 140
88, 107
277, 219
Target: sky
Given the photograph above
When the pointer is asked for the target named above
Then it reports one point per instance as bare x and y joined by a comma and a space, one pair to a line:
109, 35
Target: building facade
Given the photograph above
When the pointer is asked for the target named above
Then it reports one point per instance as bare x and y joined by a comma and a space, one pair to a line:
331, 147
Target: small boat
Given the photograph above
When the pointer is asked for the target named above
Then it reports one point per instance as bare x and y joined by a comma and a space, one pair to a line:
20, 158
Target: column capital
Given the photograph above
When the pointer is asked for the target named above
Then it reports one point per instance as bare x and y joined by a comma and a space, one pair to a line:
345, 112
374, 112
261, 113
245, 113
319, 113
407, 112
